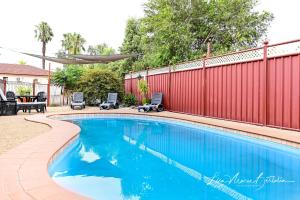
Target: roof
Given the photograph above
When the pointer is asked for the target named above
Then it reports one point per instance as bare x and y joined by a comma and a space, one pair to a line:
17, 69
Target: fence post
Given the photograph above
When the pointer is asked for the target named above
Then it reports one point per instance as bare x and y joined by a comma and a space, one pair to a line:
170, 80
130, 82
204, 96
48, 88
4, 86
33, 87
265, 93
147, 72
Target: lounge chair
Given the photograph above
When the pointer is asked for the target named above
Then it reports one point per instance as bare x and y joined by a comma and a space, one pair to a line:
156, 104
77, 100
7, 107
111, 102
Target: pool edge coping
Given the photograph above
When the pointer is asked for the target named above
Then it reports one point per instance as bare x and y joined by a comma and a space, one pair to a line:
25, 167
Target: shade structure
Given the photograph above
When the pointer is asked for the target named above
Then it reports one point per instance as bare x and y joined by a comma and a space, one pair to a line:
79, 59
82, 59
105, 59
62, 60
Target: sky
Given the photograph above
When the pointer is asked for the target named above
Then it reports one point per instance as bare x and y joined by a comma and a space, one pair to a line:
100, 21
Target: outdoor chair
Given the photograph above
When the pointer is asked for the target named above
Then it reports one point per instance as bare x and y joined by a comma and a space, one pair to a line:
7, 107
10, 95
42, 97
77, 100
111, 102
156, 104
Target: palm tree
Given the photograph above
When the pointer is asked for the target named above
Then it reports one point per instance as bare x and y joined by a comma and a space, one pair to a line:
44, 34
73, 43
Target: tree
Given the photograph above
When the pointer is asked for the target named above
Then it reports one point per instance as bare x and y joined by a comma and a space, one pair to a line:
133, 35
67, 78
173, 31
73, 43
132, 45
101, 49
44, 34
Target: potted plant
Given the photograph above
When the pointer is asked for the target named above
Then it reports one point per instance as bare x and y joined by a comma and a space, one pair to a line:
143, 89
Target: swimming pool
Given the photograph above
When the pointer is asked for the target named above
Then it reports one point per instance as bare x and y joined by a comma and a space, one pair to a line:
149, 158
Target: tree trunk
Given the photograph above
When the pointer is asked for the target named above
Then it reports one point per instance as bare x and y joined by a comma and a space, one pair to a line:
44, 53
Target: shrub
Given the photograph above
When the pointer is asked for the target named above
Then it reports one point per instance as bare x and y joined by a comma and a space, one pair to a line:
130, 99
97, 83
146, 101
23, 90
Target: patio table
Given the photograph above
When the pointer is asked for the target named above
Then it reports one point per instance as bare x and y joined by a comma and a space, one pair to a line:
28, 98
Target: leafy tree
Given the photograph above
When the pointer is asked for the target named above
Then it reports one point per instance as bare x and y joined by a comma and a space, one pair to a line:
97, 83
73, 43
133, 35
44, 34
101, 49
173, 31
67, 77
132, 44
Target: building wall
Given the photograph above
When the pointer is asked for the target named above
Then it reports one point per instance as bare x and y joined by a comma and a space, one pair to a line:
24, 78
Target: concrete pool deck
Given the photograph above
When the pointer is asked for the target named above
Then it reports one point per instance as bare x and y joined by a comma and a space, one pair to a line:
23, 169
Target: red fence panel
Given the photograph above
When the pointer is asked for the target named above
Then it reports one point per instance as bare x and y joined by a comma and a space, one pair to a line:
127, 85
284, 92
262, 90
160, 83
187, 92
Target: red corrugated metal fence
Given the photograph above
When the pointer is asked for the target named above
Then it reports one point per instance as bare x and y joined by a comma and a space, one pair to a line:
264, 90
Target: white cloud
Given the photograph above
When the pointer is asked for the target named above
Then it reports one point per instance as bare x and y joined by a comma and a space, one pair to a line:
285, 25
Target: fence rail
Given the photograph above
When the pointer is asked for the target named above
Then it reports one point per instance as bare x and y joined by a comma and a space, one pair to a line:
259, 86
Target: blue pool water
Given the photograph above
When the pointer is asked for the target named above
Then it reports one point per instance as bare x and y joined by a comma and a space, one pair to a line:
150, 159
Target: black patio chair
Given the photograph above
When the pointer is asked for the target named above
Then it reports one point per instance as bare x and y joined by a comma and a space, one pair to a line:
10, 95
156, 104
42, 97
7, 107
